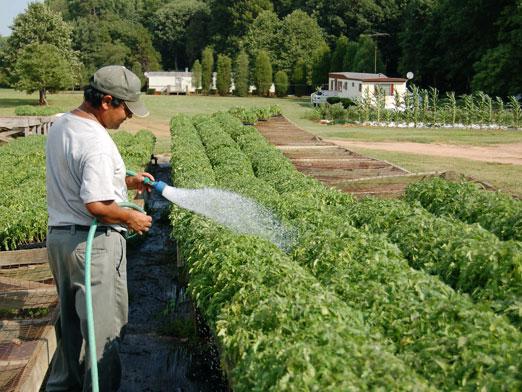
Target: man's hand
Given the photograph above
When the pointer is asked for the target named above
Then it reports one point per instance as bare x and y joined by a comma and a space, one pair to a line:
139, 222
136, 182
109, 212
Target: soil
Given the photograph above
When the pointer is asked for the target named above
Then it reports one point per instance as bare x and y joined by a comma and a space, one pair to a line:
167, 346
501, 153
158, 128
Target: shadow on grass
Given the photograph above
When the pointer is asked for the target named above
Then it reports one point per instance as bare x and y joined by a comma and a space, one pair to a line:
305, 103
14, 102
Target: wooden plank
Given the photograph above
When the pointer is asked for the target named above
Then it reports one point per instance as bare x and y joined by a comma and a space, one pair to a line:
21, 294
18, 353
34, 272
10, 133
9, 375
25, 329
34, 373
23, 257
25, 121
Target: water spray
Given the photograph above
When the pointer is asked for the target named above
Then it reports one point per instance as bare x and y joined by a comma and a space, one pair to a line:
234, 211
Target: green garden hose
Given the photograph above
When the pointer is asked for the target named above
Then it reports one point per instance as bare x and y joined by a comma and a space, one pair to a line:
88, 297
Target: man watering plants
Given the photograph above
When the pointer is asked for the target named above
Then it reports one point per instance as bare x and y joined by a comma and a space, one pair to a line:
86, 179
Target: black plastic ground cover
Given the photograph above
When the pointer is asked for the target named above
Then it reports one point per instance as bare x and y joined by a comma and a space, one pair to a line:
167, 346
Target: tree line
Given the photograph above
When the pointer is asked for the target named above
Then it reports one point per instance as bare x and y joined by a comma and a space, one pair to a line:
457, 46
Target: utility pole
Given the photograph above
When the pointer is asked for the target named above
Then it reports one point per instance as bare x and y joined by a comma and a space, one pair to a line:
375, 47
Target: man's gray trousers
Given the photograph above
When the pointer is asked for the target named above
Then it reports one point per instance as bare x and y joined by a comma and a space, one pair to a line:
66, 250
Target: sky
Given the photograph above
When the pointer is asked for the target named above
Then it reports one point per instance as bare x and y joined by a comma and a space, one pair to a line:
8, 10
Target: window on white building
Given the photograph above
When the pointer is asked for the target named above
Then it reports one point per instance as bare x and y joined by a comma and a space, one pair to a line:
386, 88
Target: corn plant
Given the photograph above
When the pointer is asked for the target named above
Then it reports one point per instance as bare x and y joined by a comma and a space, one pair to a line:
425, 107
452, 106
397, 113
434, 95
500, 111
469, 108
416, 104
514, 105
485, 108
365, 106
380, 102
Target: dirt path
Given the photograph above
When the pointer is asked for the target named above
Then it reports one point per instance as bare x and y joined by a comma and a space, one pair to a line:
158, 128
502, 153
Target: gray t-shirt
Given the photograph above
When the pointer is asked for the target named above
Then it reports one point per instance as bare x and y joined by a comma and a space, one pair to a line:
83, 165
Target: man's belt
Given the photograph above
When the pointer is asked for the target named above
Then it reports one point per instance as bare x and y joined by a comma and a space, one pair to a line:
75, 228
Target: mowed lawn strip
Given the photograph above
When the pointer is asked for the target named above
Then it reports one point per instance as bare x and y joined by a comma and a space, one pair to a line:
162, 108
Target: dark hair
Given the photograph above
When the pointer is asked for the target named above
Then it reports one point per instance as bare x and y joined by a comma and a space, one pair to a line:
94, 97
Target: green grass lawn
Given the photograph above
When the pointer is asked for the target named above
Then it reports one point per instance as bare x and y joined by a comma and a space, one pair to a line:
163, 107
447, 136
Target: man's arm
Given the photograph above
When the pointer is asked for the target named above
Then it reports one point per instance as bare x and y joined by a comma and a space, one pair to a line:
109, 212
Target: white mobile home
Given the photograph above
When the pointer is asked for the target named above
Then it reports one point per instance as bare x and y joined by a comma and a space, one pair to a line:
355, 85
171, 82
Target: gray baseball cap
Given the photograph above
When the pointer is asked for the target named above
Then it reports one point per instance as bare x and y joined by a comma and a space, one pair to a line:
118, 81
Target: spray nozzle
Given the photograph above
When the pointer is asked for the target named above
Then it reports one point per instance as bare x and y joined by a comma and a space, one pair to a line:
157, 185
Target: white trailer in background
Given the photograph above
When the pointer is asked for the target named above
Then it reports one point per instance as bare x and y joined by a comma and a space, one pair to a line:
355, 85
171, 82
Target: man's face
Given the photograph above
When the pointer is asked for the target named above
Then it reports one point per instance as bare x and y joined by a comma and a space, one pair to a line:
112, 117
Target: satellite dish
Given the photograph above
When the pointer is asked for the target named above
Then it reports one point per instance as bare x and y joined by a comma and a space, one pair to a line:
409, 75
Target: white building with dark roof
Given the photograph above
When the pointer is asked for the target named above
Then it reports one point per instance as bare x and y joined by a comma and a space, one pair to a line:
171, 82
355, 85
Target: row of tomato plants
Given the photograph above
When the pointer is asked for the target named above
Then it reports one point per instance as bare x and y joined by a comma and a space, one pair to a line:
23, 204
277, 327
467, 257
438, 332
495, 211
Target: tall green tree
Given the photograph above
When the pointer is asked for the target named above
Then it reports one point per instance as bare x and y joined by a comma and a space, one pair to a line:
42, 68
172, 32
3, 75
366, 58
281, 84
263, 73
224, 74
231, 20
124, 9
299, 78
196, 75
296, 36
320, 66
241, 79
110, 40
429, 45
300, 36
495, 70
207, 66
338, 55
264, 34
349, 57
37, 25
